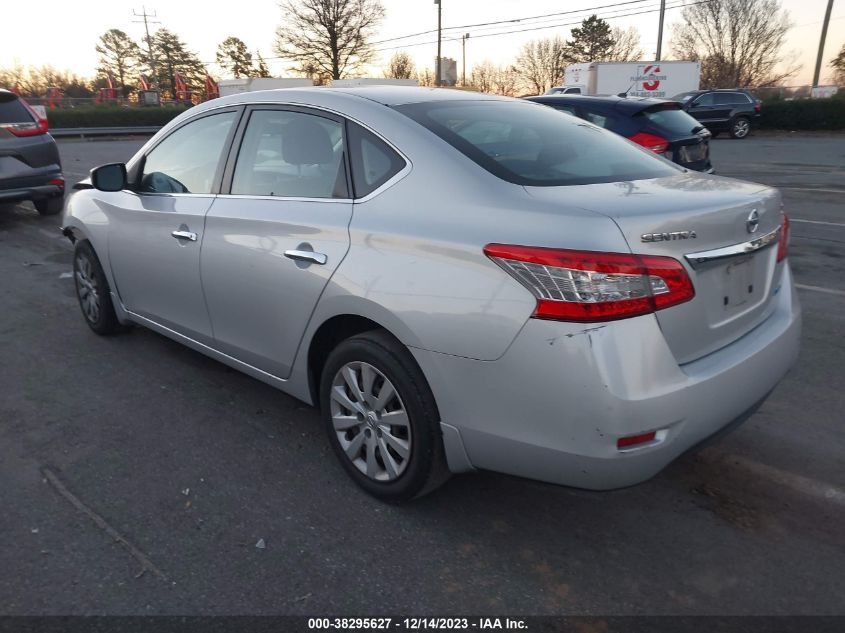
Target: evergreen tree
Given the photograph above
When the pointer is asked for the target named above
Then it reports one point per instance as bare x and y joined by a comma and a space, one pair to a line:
172, 56
234, 57
119, 55
590, 42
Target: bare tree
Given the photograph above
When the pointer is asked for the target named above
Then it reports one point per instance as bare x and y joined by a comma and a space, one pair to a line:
626, 45
328, 35
505, 81
540, 63
481, 76
425, 77
400, 66
739, 42
838, 64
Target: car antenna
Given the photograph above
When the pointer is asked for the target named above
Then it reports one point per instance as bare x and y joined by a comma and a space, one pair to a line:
625, 94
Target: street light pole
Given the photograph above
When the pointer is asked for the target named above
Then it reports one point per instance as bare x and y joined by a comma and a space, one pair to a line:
437, 70
821, 43
464, 71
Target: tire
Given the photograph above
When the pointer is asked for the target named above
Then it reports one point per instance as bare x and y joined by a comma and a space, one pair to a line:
50, 206
714, 134
740, 127
415, 463
92, 291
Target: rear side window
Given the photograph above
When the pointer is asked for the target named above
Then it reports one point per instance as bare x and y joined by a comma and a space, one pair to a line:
13, 111
531, 144
730, 98
672, 120
187, 160
291, 155
374, 162
598, 119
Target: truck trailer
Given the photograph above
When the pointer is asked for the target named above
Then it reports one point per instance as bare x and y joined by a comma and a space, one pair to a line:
660, 80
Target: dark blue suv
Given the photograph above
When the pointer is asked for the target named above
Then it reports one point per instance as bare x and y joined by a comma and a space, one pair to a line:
661, 126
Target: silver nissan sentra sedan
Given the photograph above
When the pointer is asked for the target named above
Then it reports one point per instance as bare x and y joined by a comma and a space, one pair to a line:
459, 281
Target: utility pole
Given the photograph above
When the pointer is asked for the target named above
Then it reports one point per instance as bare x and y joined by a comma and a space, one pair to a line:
821, 43
146, 22
437, 70
464, 71
660, 31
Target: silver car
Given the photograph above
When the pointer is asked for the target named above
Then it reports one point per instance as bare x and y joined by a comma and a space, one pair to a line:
459, 281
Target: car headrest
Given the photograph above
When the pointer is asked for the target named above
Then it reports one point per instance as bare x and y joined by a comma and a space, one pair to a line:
306, 143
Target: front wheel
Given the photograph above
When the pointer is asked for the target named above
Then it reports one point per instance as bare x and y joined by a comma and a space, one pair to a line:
740, 128
381, 418
92, 290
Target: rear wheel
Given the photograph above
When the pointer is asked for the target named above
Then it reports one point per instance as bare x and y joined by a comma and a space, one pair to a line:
381, 418
92, 290
740, 127
49, 206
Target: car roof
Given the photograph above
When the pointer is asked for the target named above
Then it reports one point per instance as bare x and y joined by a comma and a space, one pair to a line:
385, 95
630, 105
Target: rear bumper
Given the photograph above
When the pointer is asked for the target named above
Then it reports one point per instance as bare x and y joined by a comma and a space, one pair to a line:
554, 405
36, 192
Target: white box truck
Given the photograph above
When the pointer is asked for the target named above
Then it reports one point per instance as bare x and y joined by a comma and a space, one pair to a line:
250, 84
661, 80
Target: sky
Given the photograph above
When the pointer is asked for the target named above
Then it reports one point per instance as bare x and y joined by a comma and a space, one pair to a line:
66, 37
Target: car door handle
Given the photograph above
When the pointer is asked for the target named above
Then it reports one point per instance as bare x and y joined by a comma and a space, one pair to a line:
185, 235
307, 256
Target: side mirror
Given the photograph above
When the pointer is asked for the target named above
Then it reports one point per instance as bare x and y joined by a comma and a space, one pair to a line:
111, 177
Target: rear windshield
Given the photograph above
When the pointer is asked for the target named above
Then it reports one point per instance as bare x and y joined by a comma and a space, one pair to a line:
672, 120
534, 145
13, 111
684, 97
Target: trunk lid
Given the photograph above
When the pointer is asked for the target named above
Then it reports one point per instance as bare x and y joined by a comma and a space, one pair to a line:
693, 213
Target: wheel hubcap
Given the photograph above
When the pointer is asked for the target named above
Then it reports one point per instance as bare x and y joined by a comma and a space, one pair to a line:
741, 128
86, 289
370, 421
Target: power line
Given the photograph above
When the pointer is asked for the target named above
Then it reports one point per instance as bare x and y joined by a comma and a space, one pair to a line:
549, 26
523, 19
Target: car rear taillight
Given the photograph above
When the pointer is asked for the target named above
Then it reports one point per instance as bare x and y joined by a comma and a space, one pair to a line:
589, 286
29, 128
758, 106
656, 144
783, 243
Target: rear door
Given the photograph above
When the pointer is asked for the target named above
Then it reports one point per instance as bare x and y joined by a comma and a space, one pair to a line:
276, 234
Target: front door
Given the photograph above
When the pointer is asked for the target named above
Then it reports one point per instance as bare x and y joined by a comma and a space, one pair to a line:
273, 240
156, 230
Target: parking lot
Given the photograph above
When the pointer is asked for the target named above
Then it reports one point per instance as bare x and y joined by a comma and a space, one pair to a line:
139, 476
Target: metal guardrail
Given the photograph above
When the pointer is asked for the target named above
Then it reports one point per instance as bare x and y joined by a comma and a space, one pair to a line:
105, 131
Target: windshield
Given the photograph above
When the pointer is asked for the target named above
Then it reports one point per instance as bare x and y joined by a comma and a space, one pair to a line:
534, 145
672, 120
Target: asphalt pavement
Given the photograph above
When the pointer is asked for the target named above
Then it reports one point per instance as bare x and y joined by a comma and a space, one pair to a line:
140, 477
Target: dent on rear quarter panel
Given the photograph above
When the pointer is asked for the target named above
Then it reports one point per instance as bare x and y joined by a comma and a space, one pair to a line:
419, 257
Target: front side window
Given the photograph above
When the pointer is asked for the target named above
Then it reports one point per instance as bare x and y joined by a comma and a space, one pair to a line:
531, 144
292, 155
187, 160
704, 100
374, 162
